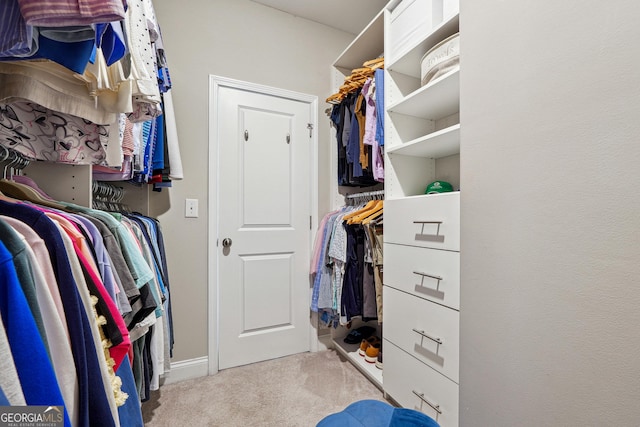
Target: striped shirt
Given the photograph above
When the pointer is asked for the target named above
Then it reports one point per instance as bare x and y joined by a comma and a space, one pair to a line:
60, 13
16, 37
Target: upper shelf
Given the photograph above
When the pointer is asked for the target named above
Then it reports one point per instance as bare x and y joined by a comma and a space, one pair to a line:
440, 98
369, 44
436, 145
409, 62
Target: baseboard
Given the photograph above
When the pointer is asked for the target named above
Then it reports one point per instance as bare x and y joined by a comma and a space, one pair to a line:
325, 342
187, 370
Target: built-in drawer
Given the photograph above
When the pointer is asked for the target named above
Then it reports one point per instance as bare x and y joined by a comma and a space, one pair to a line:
429, 332
428, 273
430, 221
416, 386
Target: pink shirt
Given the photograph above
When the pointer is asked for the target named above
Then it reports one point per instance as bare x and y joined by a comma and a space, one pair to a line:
52, 13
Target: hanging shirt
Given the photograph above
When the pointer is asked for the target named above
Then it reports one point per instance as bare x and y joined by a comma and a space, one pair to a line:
46, 13
36, 374
9, 381
16, 37
56, 333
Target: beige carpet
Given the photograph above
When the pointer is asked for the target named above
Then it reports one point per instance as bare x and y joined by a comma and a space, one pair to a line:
292, 391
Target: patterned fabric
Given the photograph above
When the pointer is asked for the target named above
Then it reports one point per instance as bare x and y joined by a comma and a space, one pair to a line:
39, 133
60, 13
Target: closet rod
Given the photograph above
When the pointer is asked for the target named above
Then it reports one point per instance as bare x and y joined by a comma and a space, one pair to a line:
365, 194
12, 161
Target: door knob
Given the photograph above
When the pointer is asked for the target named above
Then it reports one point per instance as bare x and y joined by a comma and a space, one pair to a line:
226, 242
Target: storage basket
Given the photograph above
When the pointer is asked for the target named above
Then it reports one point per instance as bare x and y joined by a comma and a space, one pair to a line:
440, 59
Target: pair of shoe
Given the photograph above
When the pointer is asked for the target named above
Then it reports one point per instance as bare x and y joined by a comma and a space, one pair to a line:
370, 348
357, 335
379, 360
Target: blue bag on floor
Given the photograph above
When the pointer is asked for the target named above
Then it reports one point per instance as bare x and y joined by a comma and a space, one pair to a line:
374, 413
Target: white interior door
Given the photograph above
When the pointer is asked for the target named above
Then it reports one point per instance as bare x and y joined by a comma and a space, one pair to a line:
264, 210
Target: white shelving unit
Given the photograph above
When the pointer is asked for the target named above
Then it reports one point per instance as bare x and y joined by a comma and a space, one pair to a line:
422, 233
73, 183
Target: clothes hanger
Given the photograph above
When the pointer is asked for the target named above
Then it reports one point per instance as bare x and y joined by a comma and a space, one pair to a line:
368, 206
376, 207
374, 215
17, 191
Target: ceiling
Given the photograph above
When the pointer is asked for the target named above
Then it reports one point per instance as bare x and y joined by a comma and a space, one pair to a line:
346, 15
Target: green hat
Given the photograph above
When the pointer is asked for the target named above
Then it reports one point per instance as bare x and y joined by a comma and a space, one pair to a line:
438, 187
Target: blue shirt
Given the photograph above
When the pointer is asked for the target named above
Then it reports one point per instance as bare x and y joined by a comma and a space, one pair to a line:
36, 374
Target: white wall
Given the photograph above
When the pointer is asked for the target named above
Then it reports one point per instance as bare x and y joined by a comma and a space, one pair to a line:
550, 163
243, 40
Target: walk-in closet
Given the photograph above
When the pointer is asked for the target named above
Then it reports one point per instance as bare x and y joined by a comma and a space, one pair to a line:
319, 213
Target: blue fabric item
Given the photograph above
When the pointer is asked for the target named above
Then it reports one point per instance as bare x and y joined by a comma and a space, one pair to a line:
3, 399
16, 37
74, 56
22, 264
403, 417
379, 76
351, 287
36, 374
148, 139
130, 413
353, 145
369, 413
316, 281
374, 413
110, 38
93, 406
158, 152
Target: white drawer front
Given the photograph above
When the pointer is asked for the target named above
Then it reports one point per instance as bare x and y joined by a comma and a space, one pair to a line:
404, 376
430, 221
427, 273
427, 331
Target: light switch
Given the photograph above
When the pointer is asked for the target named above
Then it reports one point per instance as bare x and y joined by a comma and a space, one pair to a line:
191, 208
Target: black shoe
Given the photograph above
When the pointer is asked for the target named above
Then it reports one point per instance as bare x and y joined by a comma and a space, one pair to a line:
357, 335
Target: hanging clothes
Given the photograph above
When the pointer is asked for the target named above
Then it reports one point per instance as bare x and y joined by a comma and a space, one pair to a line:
111, 307
359, 135
68, 106
347, 264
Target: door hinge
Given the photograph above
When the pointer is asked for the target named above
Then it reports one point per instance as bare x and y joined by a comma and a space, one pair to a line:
310, 127
310, 223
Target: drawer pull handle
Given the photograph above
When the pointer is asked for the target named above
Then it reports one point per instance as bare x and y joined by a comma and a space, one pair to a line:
429, 237
437, 340
433, 405
427, 275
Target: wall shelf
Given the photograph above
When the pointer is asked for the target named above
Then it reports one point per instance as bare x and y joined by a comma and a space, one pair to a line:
367, 45
409, 63
438, 99
443, 143
369, 370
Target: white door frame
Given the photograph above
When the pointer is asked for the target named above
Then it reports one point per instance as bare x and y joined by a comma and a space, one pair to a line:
215, 84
